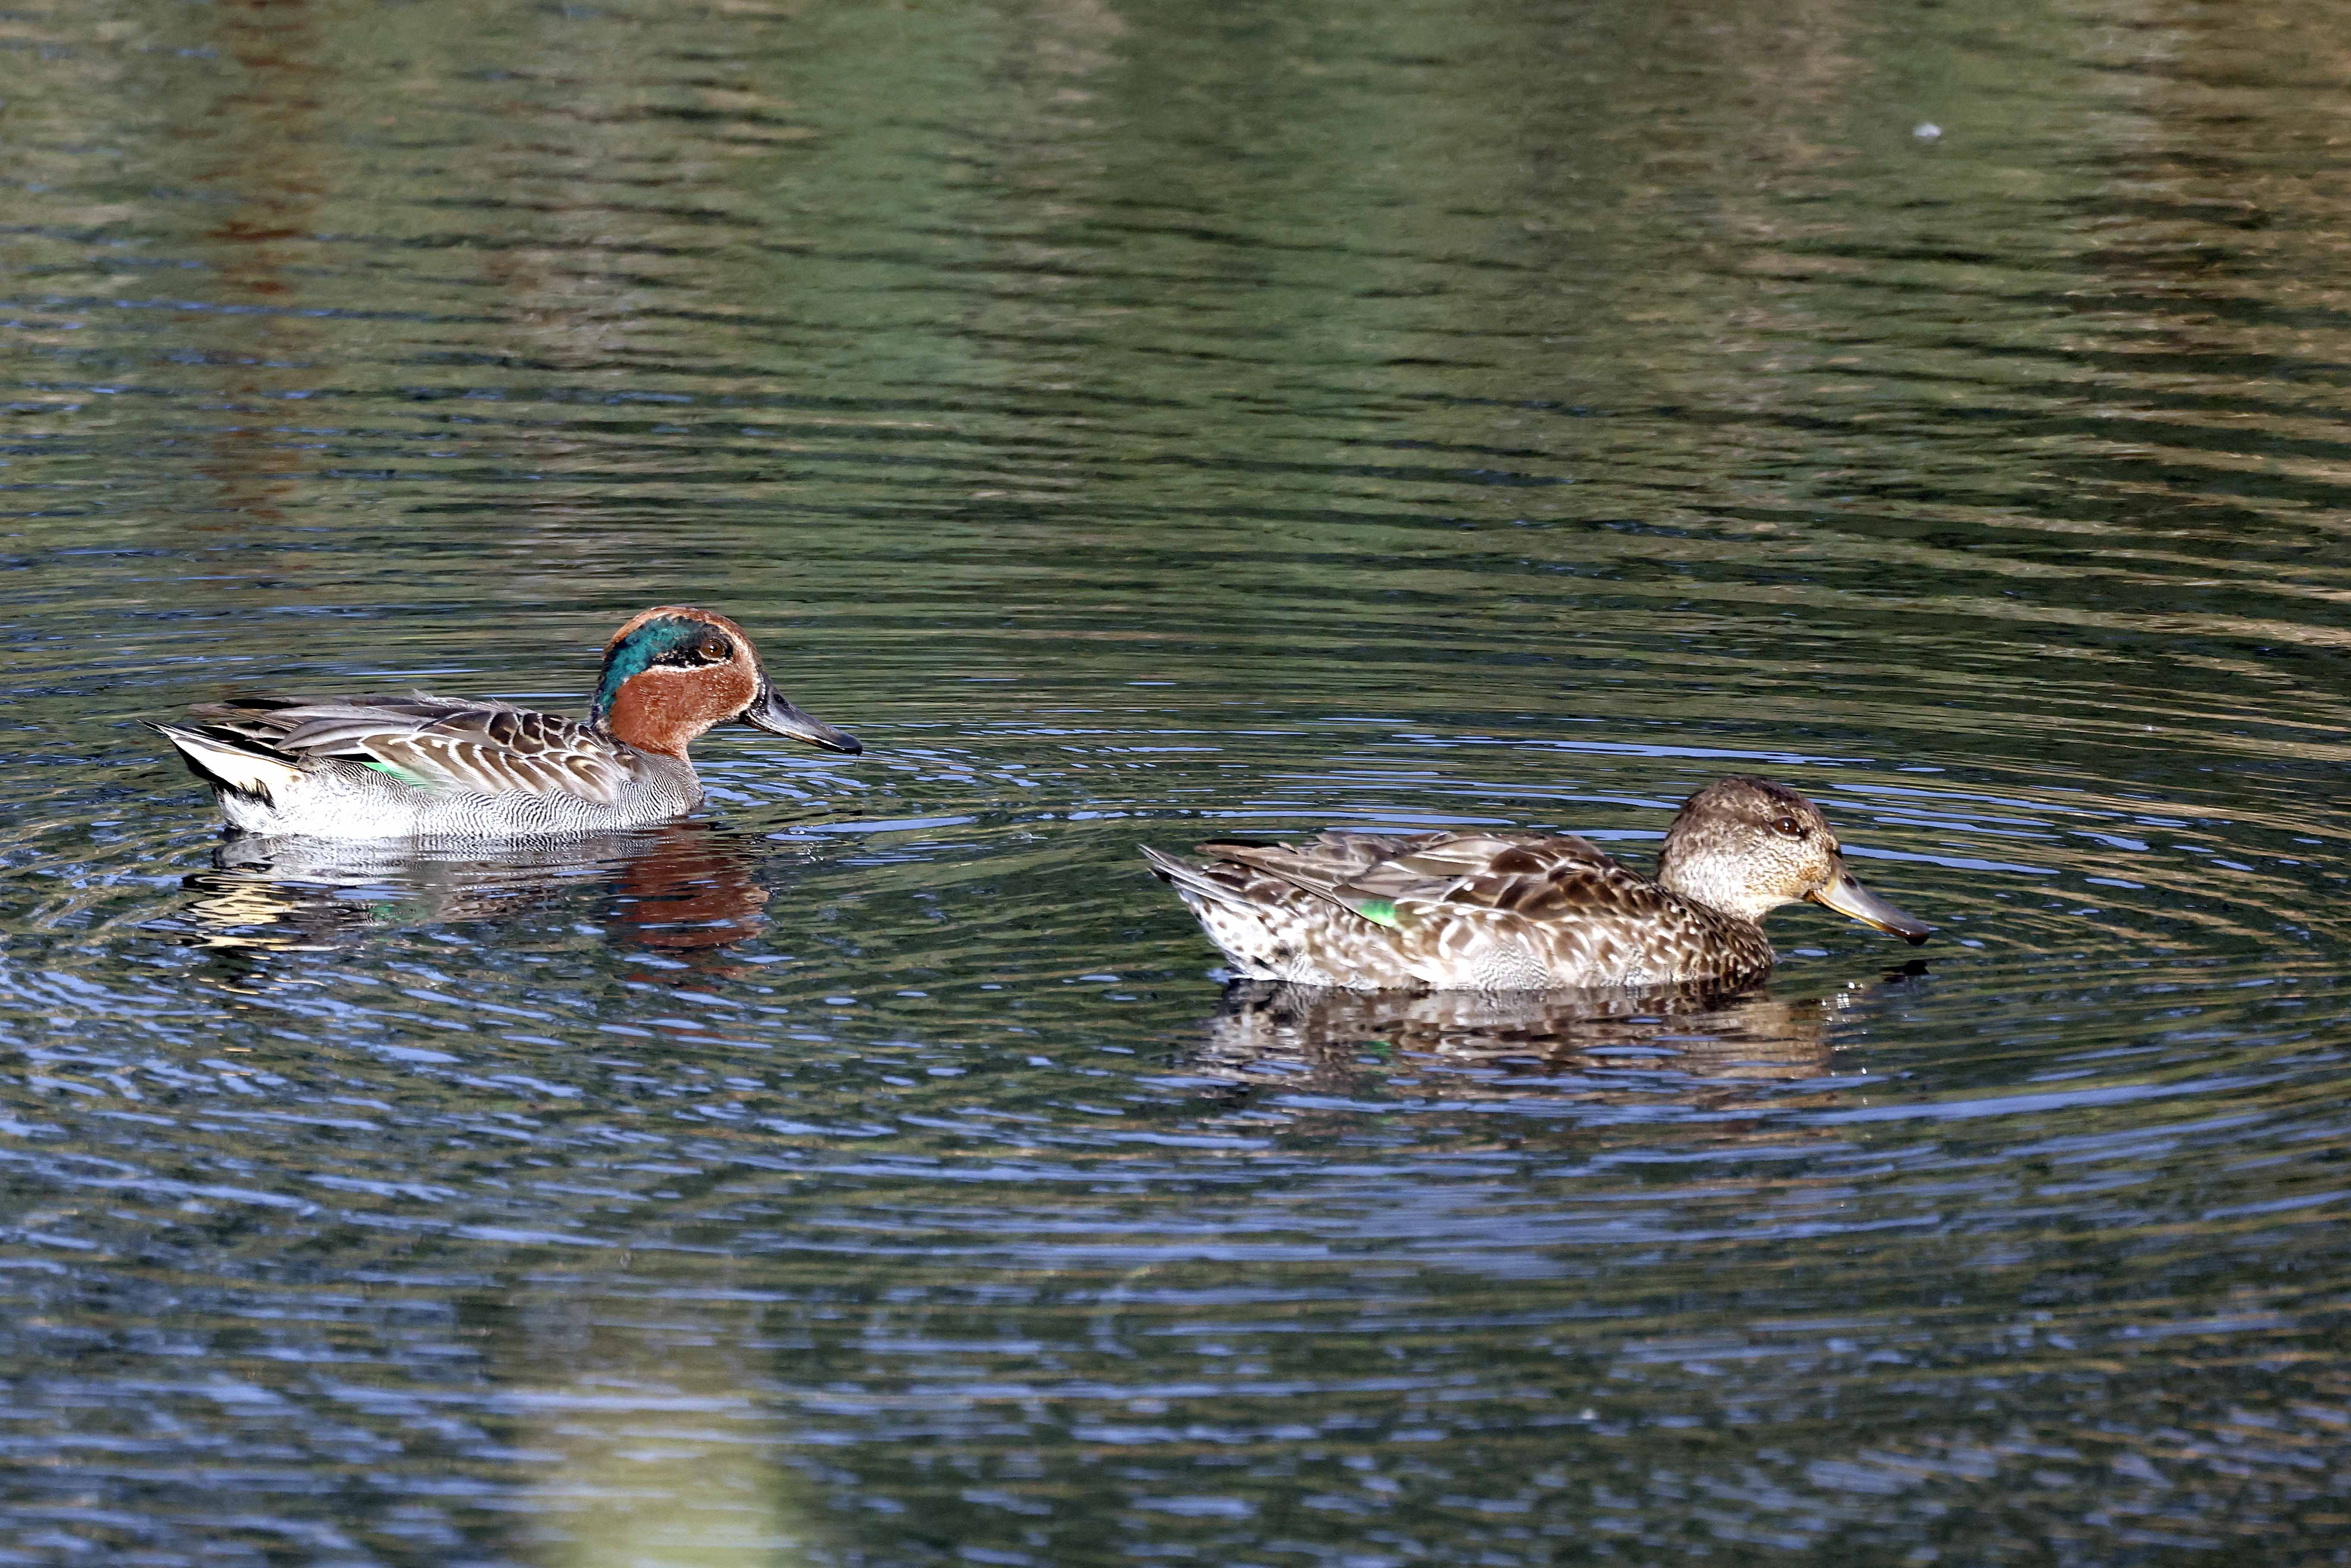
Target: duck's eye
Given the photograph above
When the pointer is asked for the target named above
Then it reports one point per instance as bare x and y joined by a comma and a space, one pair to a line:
1790, 826
716, 652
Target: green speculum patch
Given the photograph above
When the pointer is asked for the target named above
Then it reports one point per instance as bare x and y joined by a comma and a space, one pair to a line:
392, 769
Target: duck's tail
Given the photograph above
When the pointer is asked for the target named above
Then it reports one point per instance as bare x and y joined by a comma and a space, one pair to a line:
1194, 881
227, 763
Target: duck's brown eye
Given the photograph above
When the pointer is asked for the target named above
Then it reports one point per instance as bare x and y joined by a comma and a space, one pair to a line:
716, 652
1790, 826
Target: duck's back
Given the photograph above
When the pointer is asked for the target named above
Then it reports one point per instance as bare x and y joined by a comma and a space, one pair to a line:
1488, 911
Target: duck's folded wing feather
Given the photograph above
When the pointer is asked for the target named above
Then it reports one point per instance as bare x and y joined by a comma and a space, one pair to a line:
1534, 874
438, 743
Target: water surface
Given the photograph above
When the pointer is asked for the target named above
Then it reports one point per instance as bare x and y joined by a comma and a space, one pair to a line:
1142, 424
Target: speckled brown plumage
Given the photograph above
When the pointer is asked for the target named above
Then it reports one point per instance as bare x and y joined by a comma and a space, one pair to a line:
1525, 911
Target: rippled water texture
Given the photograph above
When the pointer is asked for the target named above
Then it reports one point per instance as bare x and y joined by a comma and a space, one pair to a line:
1140, 423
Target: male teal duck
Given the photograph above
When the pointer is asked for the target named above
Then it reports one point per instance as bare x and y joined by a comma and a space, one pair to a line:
1503, 912
434, 767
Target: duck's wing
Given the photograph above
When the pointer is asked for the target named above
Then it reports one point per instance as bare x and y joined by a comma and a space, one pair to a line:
1487, 911
432, 742
1400, 879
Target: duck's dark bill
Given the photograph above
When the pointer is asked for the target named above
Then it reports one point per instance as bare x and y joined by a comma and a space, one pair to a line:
1854, 902
778, 717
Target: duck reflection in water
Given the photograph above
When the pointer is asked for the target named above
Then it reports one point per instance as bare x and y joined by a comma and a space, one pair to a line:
1490, 1043
678, 888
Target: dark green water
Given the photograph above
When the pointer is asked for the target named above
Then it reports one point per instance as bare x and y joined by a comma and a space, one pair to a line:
1140, 423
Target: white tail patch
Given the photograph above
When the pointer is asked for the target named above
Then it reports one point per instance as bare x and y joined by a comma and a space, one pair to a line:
218, 762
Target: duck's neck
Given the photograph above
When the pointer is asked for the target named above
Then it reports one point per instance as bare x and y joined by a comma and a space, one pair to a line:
1709, 881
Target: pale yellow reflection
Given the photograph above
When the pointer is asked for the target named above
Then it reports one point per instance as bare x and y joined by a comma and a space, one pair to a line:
682, 1473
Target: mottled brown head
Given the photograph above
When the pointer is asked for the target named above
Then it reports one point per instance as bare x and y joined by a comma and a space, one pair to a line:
673, 671
1746, 846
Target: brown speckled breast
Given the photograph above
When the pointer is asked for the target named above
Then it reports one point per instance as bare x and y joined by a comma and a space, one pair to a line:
1483, 911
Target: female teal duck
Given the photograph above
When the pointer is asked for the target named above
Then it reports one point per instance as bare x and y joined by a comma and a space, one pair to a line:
434, 767
1504, 912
